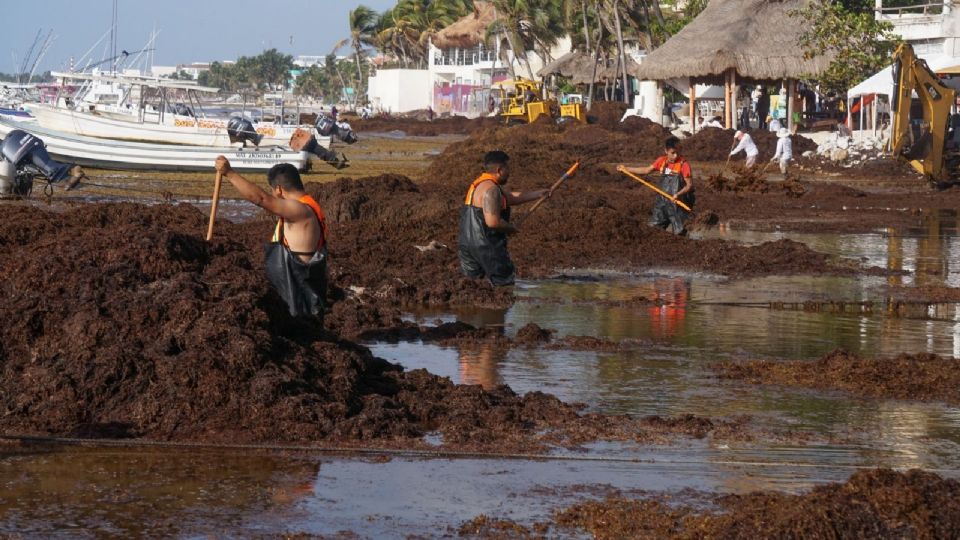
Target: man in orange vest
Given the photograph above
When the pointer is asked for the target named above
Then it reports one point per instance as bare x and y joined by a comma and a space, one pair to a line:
485, 221
675, 179
296, 257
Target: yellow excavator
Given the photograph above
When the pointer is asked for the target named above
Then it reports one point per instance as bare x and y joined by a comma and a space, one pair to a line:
522, 100
921, 133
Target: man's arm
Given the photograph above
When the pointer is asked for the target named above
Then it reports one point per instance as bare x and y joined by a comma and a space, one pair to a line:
637, 170
740, 146
519, 197
291, 211
491, 212
687, 186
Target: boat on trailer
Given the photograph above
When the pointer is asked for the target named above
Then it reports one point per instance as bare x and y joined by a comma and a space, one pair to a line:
111, 154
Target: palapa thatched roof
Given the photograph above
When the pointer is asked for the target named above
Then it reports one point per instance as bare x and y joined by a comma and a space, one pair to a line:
577, 67
755, 37
469, 31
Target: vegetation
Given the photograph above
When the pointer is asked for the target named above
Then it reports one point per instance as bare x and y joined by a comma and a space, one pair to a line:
862, 44
268, 70
601, 28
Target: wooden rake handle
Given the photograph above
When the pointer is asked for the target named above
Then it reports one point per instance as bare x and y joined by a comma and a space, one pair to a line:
213, 205
666, 195
570, 172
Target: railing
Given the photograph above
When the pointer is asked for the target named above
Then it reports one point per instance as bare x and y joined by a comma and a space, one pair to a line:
463, 57
923, 9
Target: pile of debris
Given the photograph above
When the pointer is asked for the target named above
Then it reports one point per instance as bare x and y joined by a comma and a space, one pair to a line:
850, 151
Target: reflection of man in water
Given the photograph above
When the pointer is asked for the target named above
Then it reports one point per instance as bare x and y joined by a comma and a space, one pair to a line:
669, 312
479, 365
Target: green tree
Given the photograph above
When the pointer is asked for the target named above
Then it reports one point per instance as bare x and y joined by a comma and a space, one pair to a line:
861, 44
272, 66
363, 27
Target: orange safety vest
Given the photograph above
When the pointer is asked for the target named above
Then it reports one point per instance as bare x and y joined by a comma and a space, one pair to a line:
480, 179
674, 168
309, 201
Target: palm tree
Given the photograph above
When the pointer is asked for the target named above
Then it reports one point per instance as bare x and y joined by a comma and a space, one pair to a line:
331, 60
416, 20
363, 27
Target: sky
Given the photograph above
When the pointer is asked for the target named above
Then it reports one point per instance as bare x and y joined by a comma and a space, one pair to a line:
190, 30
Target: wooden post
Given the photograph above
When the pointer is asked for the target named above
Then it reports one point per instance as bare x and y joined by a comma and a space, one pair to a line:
735, 96
726, 100
693, 105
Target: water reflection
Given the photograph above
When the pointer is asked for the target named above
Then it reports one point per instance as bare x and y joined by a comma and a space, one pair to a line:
122, 492
479, 365
923, 251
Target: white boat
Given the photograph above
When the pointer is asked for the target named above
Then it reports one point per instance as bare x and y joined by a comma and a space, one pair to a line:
131, 117
104, 154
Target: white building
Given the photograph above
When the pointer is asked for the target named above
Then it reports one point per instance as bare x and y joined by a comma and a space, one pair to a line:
459, 74
933, 29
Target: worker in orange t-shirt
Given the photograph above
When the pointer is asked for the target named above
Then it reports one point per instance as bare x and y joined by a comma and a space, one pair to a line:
674, 172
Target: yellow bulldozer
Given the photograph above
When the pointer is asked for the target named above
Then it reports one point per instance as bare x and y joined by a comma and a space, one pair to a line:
924, 133
522, 100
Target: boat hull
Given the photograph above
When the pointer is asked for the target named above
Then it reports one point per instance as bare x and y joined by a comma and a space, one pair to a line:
110, 154
182, 130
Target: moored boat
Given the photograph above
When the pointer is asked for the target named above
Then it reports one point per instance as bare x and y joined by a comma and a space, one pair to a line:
111, 154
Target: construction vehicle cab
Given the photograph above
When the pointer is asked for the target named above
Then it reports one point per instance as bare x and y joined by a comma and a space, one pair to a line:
522, 100
921, 127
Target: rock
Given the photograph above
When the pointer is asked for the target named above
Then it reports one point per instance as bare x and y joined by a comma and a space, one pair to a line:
838, 155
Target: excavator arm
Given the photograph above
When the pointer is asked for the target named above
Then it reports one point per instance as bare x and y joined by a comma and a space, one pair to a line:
920, 141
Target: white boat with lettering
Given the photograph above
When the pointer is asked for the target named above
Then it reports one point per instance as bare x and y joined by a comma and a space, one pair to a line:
108, 154
148, 109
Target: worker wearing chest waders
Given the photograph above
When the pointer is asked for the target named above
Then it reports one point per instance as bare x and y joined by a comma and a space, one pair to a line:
675, 179
484, 222
296, 256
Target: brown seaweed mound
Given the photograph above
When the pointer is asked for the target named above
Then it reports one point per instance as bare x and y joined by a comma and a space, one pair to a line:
123, 322
908, 376
878, 503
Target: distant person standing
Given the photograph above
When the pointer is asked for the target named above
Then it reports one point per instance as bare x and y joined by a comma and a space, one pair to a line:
667, 115
745, 144
784, 149
333, 113
763, 107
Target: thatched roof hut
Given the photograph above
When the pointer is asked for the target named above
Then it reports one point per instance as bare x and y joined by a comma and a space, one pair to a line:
577, 67
468, 31
756, 38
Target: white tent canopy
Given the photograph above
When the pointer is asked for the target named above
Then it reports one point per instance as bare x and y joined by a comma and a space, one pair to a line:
704, 91
882, 81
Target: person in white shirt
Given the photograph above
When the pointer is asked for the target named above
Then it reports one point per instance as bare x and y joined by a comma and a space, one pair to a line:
746, 145
784, 149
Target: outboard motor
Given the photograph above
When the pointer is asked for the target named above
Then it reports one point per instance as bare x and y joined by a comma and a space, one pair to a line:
24, 156
345, 133
241, 130
22, 148
303, 141
326, 125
